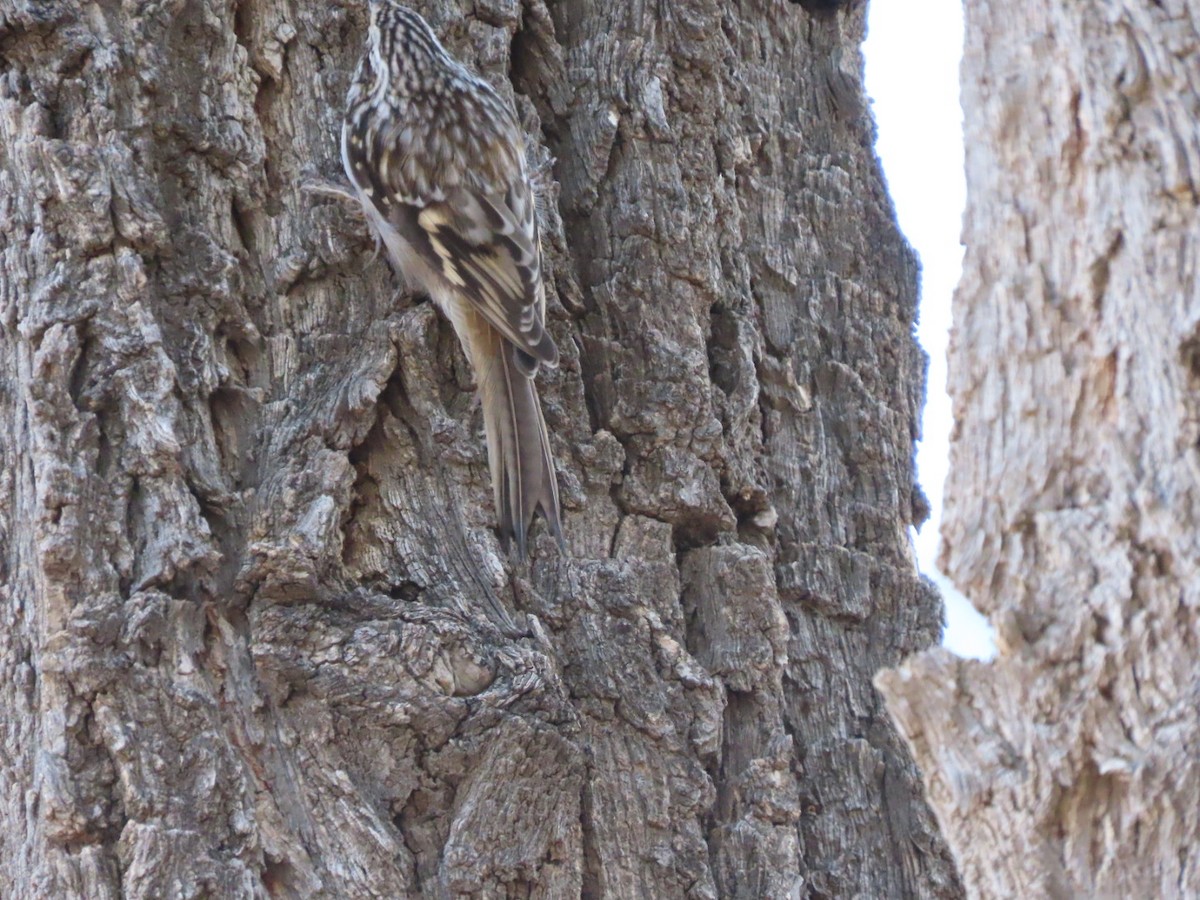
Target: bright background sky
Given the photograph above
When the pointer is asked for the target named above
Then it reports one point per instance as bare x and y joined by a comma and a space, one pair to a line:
912, 53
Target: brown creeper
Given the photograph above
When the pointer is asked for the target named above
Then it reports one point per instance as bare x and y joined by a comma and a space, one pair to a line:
437, 160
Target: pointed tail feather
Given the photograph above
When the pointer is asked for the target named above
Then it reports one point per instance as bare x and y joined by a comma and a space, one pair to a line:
522, 468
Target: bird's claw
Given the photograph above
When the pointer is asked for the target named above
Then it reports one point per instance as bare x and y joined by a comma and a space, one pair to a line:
330, 191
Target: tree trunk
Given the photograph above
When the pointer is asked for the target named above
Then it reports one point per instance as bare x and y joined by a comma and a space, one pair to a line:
258, 637
1068, 767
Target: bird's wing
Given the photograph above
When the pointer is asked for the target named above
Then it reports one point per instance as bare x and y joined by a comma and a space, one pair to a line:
486, 246
460, 196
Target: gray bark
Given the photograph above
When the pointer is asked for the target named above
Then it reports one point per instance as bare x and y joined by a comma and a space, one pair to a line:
258, 637
1067, 767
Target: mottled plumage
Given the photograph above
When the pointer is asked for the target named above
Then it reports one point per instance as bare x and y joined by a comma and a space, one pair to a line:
437, 159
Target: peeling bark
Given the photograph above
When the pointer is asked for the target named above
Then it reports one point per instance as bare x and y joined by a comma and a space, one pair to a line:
258, 637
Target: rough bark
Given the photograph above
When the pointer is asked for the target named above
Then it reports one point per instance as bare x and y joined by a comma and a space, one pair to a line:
1067, 767
258, 637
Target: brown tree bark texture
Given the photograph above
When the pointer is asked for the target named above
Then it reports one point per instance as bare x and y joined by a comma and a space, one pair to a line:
1067, 767
258, 638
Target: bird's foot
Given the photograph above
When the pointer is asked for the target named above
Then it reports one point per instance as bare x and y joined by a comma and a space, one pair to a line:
330, 191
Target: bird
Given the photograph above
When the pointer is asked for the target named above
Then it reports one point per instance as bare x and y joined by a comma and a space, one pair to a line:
437, 159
